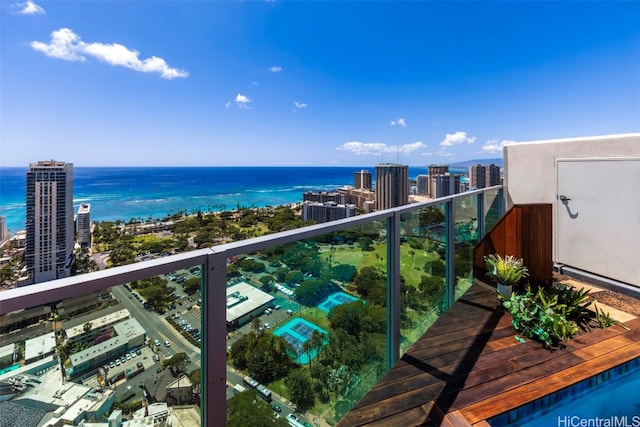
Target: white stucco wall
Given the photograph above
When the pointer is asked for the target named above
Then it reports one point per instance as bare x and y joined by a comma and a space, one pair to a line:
529, 167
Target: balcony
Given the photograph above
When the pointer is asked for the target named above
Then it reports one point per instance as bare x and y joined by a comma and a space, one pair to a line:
420, 274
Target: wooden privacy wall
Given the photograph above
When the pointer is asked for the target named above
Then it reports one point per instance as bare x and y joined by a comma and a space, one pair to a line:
525, 231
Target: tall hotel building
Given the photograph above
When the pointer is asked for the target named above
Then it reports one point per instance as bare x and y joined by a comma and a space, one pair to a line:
83, 225
484, 176
435, 170
49, 220
422, 185
362, 179
392, 185
4, 234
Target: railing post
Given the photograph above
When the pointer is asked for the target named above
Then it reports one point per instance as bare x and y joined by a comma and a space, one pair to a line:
393, 289
214, 327
450, 252
480, 214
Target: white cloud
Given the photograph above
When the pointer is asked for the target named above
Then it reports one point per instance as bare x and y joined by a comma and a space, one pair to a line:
65, 44
242, 101
30, 8
495, 146
300, 105
457, 138
443, 153
227, 104
400, 122
275, 69
375, 148
254, 83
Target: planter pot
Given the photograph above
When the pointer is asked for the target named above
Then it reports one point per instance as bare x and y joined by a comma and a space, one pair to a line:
505, 290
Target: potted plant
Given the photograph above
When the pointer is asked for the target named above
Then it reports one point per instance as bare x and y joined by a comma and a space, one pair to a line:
506, 272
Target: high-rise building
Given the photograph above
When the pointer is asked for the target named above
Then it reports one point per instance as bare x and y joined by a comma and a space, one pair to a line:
484, 176
83, 225
323, 197
362, 179
4, 235
422, 185
328, 211
357, 196
49, 220
493, 175
433, 171
446, 184
392, 185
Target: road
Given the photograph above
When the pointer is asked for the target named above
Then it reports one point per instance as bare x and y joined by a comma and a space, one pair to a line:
157, 327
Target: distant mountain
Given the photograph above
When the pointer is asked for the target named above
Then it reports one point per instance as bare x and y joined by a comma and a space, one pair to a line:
484, 162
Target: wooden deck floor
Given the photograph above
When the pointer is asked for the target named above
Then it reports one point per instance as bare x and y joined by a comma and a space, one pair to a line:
468, 368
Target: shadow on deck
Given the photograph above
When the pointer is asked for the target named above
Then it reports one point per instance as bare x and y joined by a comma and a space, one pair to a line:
468, 368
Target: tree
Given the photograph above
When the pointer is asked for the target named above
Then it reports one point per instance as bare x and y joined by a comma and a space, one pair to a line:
177, 362
367, 279
344, 272
315, 343
247, 409
267, 358
194, 377
239, 351
255, 325
365, 243
281, 274
438, 268
122, 254
300, 388
294, 277
191, 285
87, 327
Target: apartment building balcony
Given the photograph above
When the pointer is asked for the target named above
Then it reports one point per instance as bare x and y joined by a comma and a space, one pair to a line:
442, 352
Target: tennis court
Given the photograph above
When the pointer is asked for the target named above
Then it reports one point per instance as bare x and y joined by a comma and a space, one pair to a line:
335, 299
296, 332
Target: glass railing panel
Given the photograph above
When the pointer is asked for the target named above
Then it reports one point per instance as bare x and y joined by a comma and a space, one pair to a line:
422, 268
307, 322
492, 207
92, 355
466, 237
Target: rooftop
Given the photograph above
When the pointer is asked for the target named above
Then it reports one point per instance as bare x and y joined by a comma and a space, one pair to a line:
468, 367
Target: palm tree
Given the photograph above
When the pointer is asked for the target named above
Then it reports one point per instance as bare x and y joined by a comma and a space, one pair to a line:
306, 348
255, 325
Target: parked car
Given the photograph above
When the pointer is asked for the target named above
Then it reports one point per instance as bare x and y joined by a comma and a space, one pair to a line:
276, 408
167, 344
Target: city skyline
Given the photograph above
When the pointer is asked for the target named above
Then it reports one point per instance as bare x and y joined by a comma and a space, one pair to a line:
309, 83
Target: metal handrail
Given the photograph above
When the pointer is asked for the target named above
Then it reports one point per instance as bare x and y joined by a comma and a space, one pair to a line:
214, 261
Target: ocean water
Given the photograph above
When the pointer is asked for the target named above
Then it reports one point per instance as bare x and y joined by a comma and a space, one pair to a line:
154, 192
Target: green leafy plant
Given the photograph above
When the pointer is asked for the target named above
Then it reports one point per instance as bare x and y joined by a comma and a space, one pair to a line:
507, 271
604, 320
542, 315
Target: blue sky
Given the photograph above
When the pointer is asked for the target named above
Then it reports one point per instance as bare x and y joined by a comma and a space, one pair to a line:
161, 83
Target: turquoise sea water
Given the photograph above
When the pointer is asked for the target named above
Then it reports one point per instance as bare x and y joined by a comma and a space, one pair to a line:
143, 192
